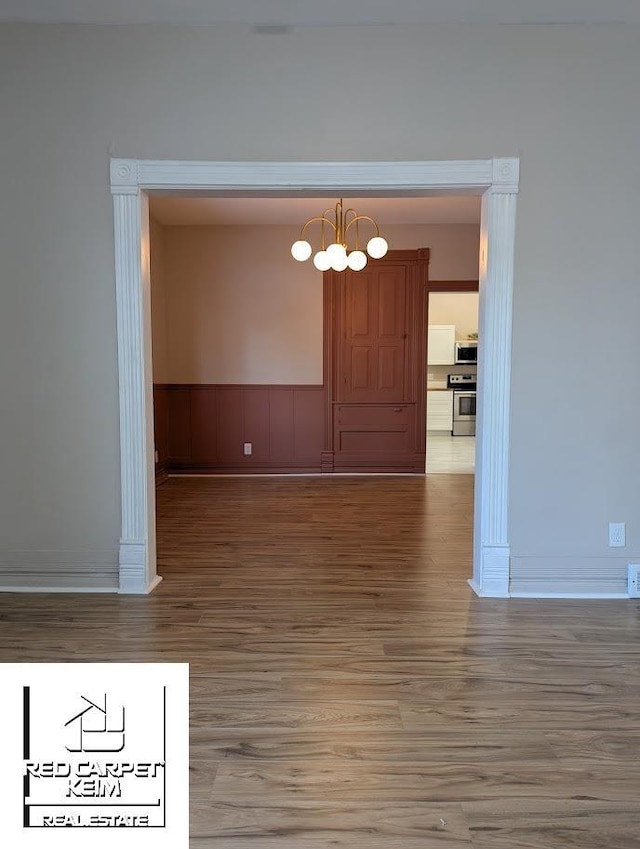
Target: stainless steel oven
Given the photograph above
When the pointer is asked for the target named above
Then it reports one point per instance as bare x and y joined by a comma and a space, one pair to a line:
464, 404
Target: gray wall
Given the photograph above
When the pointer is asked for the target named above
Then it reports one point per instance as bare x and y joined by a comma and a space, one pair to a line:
566, 100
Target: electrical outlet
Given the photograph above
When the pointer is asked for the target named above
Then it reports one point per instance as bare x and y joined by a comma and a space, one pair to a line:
617, 535
248, 449
633, 580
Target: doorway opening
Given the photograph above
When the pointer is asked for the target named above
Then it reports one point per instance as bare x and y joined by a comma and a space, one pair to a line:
133, 181
452, 374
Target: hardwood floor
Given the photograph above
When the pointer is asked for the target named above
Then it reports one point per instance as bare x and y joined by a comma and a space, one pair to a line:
347, 688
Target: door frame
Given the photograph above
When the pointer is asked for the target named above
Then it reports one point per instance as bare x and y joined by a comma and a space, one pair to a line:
133, 179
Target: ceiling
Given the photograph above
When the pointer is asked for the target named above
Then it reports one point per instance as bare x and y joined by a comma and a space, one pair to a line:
323, 12
247, 211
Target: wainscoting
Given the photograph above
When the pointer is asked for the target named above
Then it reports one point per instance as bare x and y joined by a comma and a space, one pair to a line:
203, 428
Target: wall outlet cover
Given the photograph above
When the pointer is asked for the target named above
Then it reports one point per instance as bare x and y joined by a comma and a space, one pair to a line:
633, 580
617, 535
248, 449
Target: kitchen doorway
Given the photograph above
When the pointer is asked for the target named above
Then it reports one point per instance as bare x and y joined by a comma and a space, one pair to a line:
452, 366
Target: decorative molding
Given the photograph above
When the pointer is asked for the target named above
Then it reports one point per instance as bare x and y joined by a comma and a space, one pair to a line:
327, 464
491, 546
124, 176
133, 319
475, 174
40, 588
59, 571
264, 387
454, 286
505, 178
134, 579
495, 571
584, 596
497, 178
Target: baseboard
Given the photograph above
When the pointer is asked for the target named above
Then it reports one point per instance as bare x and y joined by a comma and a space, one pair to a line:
134, 588
56, 589
488, 593
176, 468
134, 577
561, 576
576, 595
162, 474
43, 571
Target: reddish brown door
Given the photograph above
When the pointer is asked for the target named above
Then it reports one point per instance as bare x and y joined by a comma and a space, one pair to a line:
374, 349
375, 329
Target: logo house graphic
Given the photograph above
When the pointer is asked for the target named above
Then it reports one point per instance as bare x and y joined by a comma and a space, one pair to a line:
94, 759
95, 739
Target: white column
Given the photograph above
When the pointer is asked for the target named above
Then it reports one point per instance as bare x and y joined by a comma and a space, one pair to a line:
492, 552
137, 541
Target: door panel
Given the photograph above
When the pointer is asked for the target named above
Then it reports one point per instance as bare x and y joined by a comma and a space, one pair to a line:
381, 415
359, 302
391, 304
380, 443
374, 323
390, 369
361, 372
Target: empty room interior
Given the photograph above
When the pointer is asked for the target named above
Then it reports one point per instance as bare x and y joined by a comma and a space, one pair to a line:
286, 293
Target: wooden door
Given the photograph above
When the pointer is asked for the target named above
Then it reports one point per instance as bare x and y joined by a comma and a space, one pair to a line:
375, 332
374, 346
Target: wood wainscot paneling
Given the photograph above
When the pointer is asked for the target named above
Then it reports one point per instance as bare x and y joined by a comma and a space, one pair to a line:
209, 424
161, 430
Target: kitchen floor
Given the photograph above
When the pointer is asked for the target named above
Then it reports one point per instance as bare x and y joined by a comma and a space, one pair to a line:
450, 455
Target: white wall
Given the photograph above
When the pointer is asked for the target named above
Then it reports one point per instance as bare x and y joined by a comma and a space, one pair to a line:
231, 305
564, 99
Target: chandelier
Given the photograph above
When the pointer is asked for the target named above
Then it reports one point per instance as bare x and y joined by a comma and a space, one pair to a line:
340, 228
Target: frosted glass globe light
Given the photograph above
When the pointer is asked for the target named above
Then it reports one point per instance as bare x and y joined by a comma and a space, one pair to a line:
357, 260
377, 247
301, 250
322, 261
336, 250
339, 261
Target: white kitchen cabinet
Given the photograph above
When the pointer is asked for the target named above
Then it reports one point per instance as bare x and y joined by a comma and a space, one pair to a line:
439, 409
441, 343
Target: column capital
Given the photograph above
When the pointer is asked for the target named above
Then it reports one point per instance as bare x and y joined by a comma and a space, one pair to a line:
505, 176
124, 177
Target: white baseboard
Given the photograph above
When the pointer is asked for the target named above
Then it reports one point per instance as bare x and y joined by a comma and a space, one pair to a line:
138, 588
59, 571
576, 595
64, 589
488, 593
494, 571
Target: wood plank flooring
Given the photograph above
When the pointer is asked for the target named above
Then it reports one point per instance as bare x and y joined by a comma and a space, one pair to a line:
347, 688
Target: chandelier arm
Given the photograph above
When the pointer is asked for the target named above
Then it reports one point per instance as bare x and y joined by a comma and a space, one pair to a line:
322, 218
363, 218
348, 223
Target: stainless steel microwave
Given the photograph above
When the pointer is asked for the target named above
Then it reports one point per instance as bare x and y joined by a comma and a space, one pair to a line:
467, 351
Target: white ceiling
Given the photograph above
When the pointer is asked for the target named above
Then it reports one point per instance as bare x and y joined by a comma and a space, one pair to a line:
247, 211
327, 12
